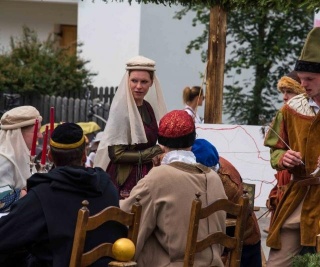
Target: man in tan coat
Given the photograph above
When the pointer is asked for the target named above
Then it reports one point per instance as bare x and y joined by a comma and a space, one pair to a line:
166, 196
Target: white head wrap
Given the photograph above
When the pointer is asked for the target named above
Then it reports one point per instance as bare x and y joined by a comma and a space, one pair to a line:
13, 148
125, 125
19, 117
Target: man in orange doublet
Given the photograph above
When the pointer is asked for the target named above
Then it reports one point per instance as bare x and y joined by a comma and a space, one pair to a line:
294, 145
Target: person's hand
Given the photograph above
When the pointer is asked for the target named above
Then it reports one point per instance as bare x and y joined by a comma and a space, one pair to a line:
157, 160
318, 165
162, 147
23, 192
291, 158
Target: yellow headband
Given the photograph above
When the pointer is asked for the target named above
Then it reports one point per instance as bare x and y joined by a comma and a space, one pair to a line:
67, 146
287, 82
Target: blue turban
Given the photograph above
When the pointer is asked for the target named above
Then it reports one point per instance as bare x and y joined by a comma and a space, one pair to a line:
205, 153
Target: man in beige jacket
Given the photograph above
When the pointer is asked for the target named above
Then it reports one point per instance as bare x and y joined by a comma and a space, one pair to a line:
166, 196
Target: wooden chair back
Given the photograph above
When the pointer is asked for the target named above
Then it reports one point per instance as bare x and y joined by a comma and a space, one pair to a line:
250, 189
86, 223
234, 244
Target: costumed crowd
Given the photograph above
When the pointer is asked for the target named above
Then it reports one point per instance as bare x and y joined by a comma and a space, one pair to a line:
148, 152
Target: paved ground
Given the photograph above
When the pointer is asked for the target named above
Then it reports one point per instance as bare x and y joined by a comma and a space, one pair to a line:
263, 224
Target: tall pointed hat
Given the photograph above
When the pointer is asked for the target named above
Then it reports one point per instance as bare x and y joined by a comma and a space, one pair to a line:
309, 60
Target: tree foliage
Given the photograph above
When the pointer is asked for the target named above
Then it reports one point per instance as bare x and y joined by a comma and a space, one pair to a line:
310, 5
34, 66
265, 43
306, 260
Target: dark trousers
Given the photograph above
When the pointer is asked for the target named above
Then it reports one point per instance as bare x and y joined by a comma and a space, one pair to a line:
251, 255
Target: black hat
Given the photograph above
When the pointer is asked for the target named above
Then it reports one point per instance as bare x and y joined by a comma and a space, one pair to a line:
67, 136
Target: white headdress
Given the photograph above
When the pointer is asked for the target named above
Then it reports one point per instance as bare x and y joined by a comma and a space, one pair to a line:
13, 148
125, 125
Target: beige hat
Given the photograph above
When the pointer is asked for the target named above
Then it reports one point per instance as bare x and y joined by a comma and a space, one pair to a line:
140, 63
19, 117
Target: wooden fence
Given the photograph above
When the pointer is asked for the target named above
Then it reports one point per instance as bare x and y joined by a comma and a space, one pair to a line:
78, 107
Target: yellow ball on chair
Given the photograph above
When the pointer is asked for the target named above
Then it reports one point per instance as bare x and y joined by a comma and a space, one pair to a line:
123, 249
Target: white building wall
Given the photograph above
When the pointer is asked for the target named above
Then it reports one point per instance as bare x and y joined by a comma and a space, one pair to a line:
110, 35
114, 32
39, 16
165, 39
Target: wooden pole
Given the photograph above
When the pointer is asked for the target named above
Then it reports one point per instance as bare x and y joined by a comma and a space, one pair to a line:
216, 61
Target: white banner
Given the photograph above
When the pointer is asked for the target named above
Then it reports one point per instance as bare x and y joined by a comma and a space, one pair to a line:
242, 145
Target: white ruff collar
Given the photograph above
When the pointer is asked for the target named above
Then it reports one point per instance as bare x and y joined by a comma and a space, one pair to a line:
179, 155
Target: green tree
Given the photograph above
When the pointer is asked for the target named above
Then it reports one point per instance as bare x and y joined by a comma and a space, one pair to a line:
34, 66
265, 42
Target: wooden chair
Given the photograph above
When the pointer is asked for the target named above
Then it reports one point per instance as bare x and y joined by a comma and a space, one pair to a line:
250, 190
234, 244
85, 223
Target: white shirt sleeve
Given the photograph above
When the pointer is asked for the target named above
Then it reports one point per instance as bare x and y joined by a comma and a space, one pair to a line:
6, 172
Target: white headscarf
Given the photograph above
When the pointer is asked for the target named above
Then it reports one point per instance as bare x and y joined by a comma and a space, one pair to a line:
13, 148
125, 125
